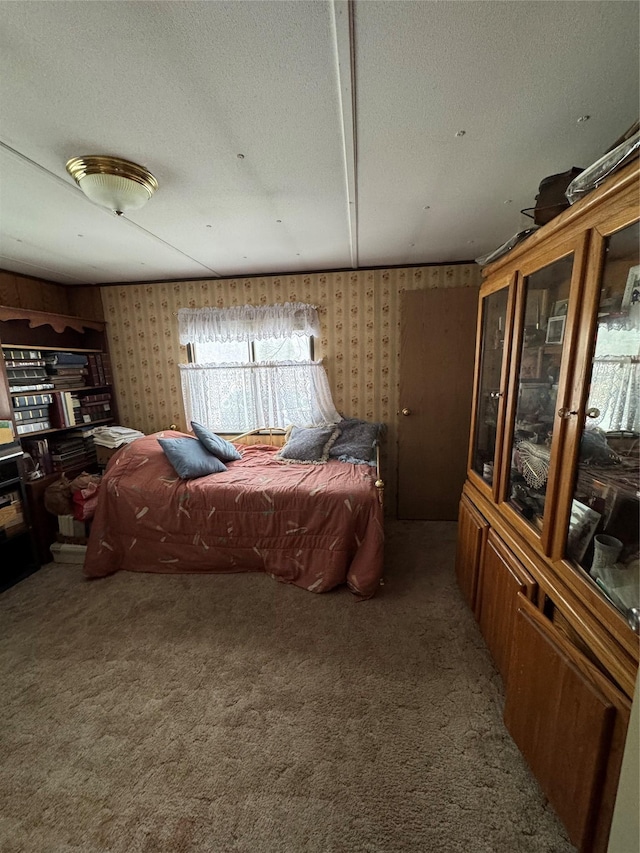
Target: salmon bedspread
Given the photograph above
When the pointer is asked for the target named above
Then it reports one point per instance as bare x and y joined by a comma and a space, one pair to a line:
316, 526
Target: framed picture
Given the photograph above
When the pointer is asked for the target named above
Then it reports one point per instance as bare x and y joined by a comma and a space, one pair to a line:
582, 525
555, 330
632, 288
560, 308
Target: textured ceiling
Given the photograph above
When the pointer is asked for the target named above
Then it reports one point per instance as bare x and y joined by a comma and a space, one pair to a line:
346, 115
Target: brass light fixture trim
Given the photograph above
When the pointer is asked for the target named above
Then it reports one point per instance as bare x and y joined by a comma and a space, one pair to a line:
114, 167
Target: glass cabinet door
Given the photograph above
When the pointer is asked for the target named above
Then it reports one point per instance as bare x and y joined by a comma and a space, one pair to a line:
602, 535
545, 296
493, 309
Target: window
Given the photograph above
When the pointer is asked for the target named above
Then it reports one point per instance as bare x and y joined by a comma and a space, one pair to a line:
252, 367
298, 348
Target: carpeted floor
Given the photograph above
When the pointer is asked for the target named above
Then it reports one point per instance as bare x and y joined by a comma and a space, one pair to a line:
170, 714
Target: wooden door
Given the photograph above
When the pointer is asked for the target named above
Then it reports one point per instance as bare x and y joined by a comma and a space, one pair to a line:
437, 349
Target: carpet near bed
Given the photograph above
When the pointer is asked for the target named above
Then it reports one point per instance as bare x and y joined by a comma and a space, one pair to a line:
174, 714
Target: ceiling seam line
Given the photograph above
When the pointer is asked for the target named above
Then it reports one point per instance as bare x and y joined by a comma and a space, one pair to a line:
344, 33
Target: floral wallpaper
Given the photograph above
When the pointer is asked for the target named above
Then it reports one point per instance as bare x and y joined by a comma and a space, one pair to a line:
359, 343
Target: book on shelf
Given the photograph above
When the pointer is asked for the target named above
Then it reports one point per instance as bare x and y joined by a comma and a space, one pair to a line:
20, 401
64, 358
31, 413
58, 413
32, 362
20, 375
67, 370
101, 397
73, 452
33, 426
21, 354
41, 386
66, 385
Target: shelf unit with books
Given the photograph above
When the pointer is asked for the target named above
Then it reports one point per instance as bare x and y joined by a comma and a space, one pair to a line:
55, 389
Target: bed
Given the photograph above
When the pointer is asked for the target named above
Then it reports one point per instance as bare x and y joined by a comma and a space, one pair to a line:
317, 526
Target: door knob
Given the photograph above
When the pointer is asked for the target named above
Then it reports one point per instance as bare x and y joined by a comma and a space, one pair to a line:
406, 412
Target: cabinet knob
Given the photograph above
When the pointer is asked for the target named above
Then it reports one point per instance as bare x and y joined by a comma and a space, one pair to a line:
406, 412
496, 394
566, 413
593, 412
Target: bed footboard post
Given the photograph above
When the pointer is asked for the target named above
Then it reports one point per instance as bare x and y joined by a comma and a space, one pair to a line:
379, 484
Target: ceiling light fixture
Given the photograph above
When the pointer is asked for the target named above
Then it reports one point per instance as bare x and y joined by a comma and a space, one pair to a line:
112, 182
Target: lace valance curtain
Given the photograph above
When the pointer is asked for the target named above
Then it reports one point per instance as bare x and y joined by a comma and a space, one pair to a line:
239, 397
247, 322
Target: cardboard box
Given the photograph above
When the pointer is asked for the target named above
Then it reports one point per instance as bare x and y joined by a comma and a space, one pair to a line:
68, 553
68, 526
104, 454
6, 432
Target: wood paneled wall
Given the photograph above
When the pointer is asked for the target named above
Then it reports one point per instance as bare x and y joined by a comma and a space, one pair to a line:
23, 291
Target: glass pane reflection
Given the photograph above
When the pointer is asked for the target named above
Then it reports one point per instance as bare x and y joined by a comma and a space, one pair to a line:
545, 313
494, 312
603, 529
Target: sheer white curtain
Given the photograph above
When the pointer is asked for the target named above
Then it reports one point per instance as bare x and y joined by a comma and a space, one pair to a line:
247, 322
239, 397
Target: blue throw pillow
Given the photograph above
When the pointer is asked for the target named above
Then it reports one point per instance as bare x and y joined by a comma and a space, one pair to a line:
356, 442
308, 444
189, 458
220, 447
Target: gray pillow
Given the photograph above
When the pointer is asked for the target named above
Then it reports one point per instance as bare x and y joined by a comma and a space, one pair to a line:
220, 447
356, 442
189, 458
308, 444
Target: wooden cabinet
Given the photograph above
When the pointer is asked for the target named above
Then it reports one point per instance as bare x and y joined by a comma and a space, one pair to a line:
552, 570
55, 388
566, 718
472, 532
503, 580
17, 555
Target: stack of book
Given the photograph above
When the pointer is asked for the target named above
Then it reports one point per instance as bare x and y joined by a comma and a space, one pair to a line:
75, 451
66, 369
27, 375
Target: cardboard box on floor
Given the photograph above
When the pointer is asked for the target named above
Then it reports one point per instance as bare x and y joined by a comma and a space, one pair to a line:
104, 454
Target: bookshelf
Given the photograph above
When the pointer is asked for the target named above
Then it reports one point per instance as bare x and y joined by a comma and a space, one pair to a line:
55, 389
